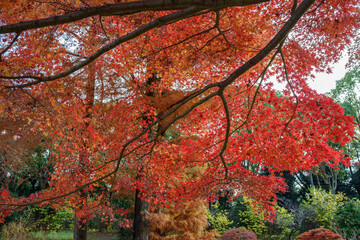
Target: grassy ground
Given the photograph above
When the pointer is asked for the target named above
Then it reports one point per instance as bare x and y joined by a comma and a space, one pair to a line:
63, 235
68, 235
18, 231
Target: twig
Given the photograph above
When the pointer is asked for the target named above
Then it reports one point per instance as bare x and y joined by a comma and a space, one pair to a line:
292, 90
9, 46
32, 97
102, 27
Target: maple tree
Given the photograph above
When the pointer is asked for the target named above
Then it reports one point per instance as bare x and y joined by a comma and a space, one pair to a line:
133, 95
318, 234
239, 234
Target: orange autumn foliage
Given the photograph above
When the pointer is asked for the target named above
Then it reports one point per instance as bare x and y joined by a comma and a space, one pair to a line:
187, 222
213, 108
319, 234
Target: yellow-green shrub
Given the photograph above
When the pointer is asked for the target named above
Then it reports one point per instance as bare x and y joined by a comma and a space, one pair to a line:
324, 205
219, 220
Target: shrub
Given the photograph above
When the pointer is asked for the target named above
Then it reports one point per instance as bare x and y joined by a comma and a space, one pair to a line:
15, 231
49, 219
319, 234
252, 218
239, 234
348, 218
218, 219
186, 223
323, 205
282, 227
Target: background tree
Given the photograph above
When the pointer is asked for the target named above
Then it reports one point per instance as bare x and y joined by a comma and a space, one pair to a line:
347, 93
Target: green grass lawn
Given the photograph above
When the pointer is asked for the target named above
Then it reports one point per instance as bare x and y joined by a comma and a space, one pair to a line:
62, 235
68, 235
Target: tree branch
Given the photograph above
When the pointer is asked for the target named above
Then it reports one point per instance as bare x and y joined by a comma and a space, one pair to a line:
292, 90
9, 46
124, 8
152, 25
284, 31
227, 134
182, 41
217, 25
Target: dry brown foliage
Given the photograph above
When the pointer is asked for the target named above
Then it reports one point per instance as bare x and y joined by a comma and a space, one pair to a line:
186, 223
15, 231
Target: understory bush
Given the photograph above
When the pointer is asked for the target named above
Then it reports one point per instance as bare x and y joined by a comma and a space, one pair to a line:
186, 223
239, 234
252, 218
319, 234
218, 219
348, 219
15, 231
323, 205
320, 209
49, 219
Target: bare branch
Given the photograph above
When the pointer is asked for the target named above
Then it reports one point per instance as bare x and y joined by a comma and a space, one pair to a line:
294, 6
52, 91
316, 8
261, 76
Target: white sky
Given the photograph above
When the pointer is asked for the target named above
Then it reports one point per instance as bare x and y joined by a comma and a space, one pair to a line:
325, 82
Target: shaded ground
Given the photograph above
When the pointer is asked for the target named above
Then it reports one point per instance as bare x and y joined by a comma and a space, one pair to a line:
103, 236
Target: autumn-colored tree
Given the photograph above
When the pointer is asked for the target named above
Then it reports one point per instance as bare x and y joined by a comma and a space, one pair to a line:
213, 104
186, 223
239, 234
319, 234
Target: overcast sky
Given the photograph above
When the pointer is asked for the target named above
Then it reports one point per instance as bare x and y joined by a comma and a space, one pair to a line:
325, 82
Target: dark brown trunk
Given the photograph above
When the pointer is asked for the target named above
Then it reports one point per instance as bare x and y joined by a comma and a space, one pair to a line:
141, 221
80, 230
80, 226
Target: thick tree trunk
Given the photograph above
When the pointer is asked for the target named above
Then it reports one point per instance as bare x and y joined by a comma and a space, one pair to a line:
80, 226
141, 221
80, 230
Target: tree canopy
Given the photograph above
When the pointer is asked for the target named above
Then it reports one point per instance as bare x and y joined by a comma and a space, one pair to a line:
174, 98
